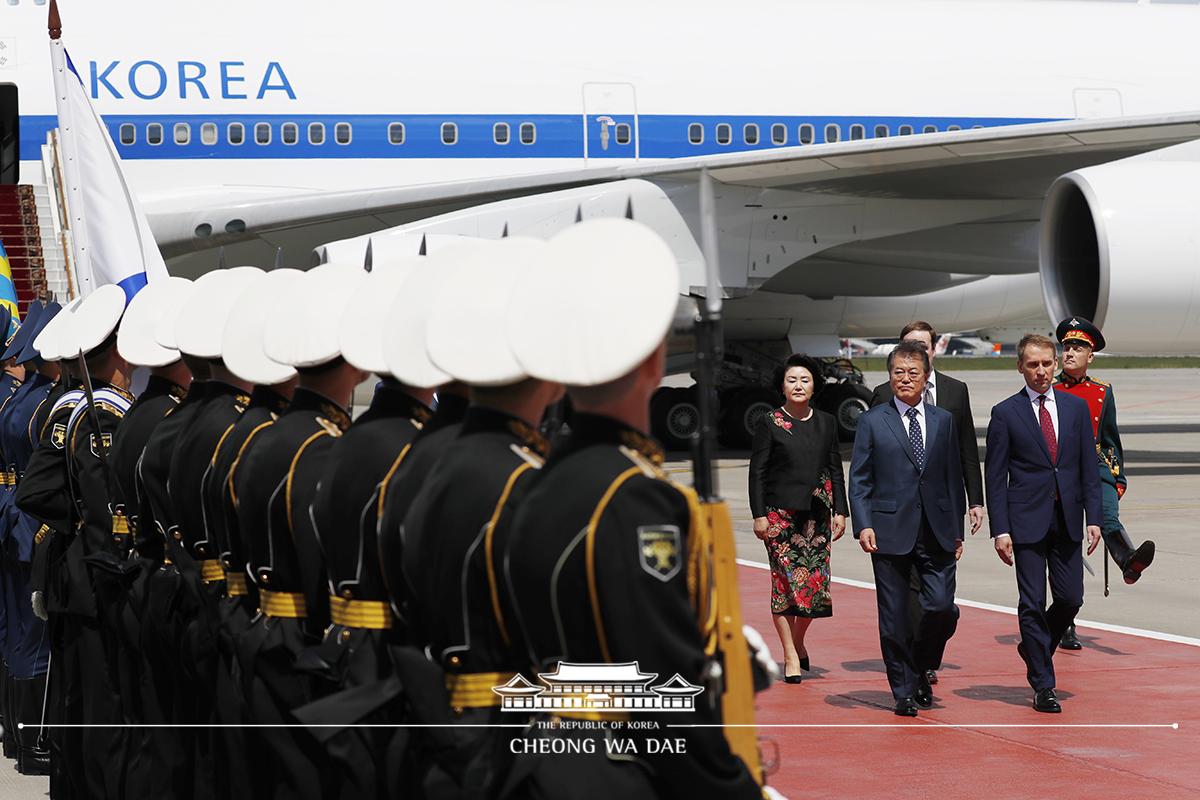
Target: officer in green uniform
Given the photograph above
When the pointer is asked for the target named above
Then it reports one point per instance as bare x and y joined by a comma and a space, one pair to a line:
605, 562
455, 610
273, 486
1081, 340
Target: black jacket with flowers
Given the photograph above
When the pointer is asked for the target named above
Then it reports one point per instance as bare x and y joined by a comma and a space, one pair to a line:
790, 460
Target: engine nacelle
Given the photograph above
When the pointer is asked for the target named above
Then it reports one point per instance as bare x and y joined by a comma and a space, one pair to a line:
1120, 245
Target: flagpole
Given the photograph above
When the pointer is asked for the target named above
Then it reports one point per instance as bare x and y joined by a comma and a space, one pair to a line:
76, 222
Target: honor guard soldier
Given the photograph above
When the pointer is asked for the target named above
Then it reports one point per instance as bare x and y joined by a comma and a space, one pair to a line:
198, 333
165, 389
94, 555
1081, 340
272, 486
451, 559
42, 494
241, 351
9, 382
607, 560
28, 647
354, 652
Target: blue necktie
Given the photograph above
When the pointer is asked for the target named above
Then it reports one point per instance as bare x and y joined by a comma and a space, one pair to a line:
914, 438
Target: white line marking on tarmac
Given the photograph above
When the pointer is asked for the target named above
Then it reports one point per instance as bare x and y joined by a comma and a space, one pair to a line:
1081, 623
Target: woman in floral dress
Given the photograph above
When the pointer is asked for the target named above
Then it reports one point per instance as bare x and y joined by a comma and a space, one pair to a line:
798, 498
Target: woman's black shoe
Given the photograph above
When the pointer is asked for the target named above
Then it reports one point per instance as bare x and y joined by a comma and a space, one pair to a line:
791, 679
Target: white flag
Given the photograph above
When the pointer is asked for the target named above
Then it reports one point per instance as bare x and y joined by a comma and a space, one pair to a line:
112, 242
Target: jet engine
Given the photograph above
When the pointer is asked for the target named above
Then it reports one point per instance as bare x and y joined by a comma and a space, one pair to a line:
1120, 245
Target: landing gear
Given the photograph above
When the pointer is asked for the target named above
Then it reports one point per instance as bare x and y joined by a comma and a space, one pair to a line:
674, 416
846, 402
740, 412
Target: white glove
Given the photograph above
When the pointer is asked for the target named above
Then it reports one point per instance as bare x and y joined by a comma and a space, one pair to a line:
760, 653
771, 794
38, 600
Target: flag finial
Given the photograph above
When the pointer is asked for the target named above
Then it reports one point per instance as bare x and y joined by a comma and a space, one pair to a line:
54, 21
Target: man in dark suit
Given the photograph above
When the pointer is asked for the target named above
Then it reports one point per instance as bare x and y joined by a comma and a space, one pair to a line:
907, 505
946, 392
1041, 482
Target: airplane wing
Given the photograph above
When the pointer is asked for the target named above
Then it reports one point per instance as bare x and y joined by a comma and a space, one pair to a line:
999, 163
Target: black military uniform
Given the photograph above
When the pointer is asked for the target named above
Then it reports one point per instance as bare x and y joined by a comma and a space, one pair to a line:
453, 567
196, 557
603, 567
354, 647
242, 748
404, 480
272, 485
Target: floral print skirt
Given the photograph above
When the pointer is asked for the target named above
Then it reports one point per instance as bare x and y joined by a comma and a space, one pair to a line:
798, 543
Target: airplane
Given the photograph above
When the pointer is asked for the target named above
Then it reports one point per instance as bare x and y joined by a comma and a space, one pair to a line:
984, 165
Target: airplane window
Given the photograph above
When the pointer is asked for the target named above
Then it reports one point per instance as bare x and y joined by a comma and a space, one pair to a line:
832, 133
976, 127
906, 130
449, 133
154, 133
881, 131
954, 128
235, 133
857, 132
724, 133
696, 133
750, 133
396, 133
779, 133
342, 133
128, 133
500, 133
183, 133
528, 133
806, 134
316, 133
208, 134
929, 129
624, 133
262, 133
289, 133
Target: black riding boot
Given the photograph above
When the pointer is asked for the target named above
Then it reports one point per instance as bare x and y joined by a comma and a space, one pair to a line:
9, 722
31, 705
1131, 561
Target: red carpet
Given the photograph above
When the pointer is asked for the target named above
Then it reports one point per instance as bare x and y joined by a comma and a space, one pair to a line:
1115, 679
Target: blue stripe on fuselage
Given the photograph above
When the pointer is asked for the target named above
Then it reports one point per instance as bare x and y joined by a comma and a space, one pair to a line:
557, 135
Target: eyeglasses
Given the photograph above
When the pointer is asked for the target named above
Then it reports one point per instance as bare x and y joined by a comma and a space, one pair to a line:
912, 373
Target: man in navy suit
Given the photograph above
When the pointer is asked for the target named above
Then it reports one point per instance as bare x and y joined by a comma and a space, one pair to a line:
907, 502
1041, 479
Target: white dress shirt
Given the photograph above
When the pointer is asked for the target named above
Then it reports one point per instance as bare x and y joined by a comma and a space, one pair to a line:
1051, 406
903, 408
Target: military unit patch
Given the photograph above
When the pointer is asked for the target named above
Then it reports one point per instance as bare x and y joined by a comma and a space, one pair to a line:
105, 441
58, 435
658, 550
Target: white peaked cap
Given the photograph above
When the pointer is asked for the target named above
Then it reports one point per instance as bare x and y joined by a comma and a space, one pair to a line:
95, 319
164, 328
404, 342
201, 322
302, 325
50, 339
242, 339
600, 302
135, 337
465, 332
364, 323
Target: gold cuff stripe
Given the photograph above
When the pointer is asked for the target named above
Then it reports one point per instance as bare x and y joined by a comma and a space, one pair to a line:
211, 570
283, 604
235, 585
41, 534
474, 689
371, 614
120, 525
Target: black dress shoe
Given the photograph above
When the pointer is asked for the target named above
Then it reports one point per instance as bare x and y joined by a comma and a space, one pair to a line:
906, 707
924, 694
931, 676
792, 678
1069, 640
1137, 563
1046, 701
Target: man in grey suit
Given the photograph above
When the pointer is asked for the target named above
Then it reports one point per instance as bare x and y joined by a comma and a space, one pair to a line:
907, 504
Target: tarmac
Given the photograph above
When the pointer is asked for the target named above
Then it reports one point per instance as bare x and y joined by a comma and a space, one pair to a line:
1131, 720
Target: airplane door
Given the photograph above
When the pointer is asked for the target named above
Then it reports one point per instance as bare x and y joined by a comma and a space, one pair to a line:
10, 135
610, 121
